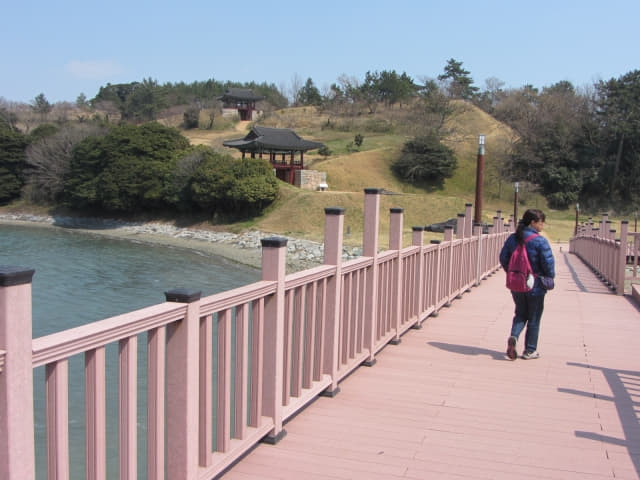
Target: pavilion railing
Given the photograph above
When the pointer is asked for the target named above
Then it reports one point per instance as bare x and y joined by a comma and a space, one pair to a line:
226, 371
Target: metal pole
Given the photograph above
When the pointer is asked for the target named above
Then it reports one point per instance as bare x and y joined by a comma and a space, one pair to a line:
479, 180
575, 230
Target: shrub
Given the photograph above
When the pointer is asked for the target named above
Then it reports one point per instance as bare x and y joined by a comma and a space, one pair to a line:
324, 151
425, 160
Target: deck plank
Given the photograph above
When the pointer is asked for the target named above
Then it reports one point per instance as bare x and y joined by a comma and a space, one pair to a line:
447, 404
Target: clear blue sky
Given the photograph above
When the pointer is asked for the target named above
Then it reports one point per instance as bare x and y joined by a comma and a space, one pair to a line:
66, 48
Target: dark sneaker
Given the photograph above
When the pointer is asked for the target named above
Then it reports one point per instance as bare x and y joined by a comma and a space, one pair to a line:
530, 355
511, 348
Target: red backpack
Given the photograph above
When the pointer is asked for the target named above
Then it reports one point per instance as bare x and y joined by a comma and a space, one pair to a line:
520, 276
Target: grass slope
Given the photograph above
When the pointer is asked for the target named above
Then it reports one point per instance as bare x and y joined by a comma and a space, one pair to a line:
300, 213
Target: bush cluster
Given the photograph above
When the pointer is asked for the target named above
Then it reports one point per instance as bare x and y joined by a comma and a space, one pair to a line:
131, 169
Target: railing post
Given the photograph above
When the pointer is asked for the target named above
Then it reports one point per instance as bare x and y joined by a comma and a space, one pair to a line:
274, 250
333, 232
622, 260
448, 237
468, 219
460, 226
396, 225
182, 387
477, 231
370, 249
417, 239
17, 450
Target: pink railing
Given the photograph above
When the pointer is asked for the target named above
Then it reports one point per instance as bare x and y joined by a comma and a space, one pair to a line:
296, 336
607, 255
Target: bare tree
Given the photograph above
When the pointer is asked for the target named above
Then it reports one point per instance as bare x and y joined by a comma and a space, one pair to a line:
48, 160
295, 86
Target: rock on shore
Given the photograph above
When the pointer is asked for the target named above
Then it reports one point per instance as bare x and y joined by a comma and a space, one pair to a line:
243, 248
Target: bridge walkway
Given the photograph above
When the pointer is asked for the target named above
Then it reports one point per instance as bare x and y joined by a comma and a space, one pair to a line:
446, 403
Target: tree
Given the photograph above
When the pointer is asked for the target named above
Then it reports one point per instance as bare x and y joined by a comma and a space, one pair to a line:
309, 94
12, 162
431, 113
295, 88
191, 118
127, 170
137, 101
81, 101
48, 158
460, 84
618, 112
492, 94
425, 160
553, 146
224, 185
41, 105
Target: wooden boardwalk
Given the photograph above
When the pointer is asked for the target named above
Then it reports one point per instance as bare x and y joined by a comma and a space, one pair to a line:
447, 404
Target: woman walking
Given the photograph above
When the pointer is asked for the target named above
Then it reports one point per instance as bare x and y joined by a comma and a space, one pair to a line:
529, 305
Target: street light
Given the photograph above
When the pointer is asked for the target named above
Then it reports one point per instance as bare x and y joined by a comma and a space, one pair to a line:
479, 180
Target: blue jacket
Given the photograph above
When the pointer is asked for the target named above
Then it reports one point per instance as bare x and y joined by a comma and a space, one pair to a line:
540, 257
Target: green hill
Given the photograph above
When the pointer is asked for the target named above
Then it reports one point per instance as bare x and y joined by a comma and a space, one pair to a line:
300, 213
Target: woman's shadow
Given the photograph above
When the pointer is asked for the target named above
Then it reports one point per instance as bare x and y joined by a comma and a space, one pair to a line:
468, 350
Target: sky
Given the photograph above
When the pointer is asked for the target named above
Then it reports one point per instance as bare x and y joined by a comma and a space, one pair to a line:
66, 48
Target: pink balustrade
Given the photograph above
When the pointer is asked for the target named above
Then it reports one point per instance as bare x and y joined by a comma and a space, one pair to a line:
296, 336
607, 255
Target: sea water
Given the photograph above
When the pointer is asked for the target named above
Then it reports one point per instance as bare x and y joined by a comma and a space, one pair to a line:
82, 277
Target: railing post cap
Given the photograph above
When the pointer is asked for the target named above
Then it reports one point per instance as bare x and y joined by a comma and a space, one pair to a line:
11, 275
448, 227
468, 204
334, 211
435, 241
273, 242
625, 222
396, 210
182, 295
417, 229
461, 215
373, 191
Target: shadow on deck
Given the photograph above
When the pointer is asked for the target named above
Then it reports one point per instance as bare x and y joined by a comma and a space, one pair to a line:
446, 404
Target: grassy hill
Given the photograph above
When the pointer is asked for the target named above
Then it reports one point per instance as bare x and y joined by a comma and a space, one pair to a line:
300, 213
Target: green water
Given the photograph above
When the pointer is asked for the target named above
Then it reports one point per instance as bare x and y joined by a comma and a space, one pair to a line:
82, 278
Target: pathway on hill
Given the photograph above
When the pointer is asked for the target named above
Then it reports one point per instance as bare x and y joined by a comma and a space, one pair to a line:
447, 404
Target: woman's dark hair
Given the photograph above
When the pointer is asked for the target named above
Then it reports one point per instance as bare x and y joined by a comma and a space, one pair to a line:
531, 215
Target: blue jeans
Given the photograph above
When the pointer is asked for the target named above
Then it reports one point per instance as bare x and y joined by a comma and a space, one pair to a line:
528, 312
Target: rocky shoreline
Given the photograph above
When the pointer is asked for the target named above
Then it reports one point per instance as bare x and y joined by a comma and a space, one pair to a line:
243, 248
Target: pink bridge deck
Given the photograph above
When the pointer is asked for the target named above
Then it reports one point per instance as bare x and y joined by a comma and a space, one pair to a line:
447, 404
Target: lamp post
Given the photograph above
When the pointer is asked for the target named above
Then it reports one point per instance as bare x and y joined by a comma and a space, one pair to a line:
575, 230
515, 203
477, 218
635, 223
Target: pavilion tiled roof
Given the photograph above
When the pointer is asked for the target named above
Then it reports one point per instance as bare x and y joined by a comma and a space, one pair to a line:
266, 138
244, 94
